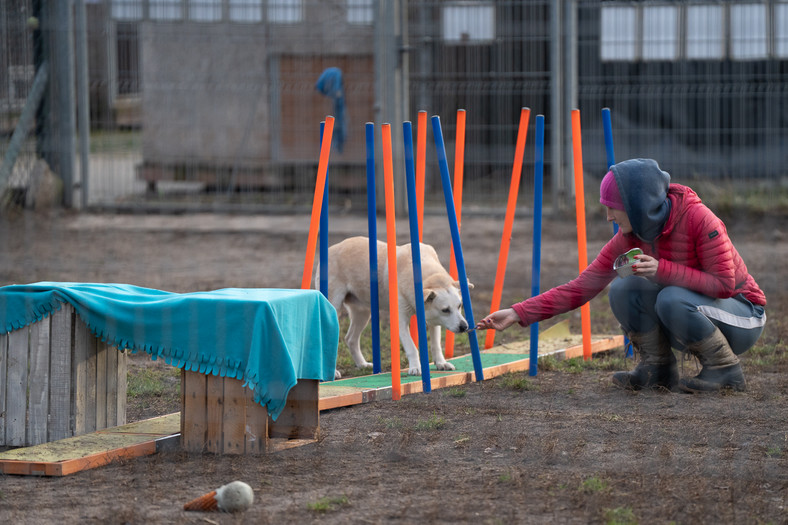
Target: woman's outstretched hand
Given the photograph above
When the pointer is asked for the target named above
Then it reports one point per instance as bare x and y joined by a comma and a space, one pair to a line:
500, 320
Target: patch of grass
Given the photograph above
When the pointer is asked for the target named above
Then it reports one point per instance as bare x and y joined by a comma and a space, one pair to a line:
434, 422
391, 422
610, 417
576, 365
505, 477
767, 354
328, 503
154, 382
462, 441
457, 392
516, 381
594, 485
620, 516
774, 452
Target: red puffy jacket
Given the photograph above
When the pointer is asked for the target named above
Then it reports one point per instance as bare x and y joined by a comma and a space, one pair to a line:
694, 252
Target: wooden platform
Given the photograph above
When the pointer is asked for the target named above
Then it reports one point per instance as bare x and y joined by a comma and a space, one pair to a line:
60, 458
74, 454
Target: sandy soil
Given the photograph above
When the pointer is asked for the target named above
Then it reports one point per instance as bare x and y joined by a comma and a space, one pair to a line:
561, 447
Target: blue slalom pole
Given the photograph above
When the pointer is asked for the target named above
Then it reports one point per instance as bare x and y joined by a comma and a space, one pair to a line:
324, 231
415, 251
607, 126
372, 226
440, 148
536, 258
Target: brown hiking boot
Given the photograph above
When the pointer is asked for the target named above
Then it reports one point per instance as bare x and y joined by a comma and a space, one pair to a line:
720, 366
657, 367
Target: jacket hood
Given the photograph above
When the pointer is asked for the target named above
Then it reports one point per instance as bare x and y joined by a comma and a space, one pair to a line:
644, 190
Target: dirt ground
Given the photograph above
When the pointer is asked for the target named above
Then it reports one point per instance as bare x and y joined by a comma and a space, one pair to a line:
561, 447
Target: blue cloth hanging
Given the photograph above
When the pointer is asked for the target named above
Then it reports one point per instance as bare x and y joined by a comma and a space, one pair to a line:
330, 85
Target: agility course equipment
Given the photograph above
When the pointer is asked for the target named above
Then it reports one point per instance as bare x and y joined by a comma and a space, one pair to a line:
536, 257
459, 161
372, 229
421, 154
323, 233
317, 203
455, 237
147, 437
580, 210
511, 204
415, 251
607, 127
391, 250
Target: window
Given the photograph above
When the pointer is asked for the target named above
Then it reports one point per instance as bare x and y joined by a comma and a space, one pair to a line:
617, 33
360, 12
693, 30
165, 9
748, 31
781, 30
660, 33
246, 10
469, 22
705, 32
285, 11
205, 10
127, 9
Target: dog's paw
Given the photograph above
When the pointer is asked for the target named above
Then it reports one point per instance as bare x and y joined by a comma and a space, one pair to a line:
444, 366
337, 375
365, 364
414, 371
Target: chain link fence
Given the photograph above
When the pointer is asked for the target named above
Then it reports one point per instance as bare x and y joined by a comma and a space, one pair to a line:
216, 104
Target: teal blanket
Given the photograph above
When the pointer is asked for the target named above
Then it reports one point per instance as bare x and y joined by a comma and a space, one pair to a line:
268, 338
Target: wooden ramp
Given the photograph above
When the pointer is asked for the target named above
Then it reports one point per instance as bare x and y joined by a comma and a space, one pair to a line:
74, 454
67, 456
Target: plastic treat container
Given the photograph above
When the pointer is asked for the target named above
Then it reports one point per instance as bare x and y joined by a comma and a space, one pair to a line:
623, 263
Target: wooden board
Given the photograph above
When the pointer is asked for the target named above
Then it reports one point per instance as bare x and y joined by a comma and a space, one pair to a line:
57, 380
74, 454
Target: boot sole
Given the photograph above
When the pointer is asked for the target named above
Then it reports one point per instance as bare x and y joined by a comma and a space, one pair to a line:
689, 390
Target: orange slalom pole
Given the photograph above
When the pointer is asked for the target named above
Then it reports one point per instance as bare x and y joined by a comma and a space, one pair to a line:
459, 160
317, 203
580, 208
506, 238
421, 155
391, 249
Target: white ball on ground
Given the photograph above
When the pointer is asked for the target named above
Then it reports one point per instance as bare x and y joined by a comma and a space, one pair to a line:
234, 497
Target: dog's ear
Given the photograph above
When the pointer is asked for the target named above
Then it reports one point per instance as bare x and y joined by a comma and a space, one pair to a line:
429, 296
457, 284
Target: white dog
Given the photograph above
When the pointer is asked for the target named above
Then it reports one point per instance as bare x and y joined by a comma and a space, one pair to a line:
348, 287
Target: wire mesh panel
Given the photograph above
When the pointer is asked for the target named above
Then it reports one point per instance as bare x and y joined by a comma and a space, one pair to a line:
206, 102
699, 86
17, 72
490, 59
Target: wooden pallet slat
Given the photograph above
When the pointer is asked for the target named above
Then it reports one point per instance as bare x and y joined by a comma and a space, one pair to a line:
101, 383
3, 378
60, 373
16, 387
38, 382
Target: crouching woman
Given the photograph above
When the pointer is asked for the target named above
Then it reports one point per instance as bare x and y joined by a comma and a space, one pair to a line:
689, 289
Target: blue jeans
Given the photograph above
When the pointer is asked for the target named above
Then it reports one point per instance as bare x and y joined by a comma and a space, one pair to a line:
685, 316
